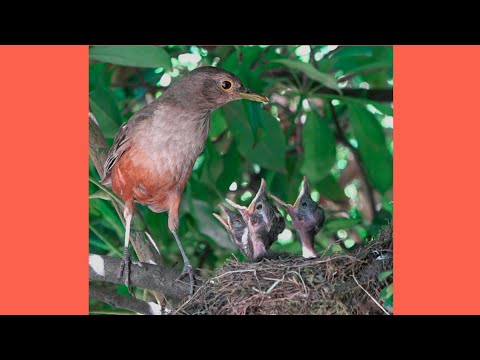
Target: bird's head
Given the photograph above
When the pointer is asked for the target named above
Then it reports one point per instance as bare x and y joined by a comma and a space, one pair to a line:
263, 219
234, 224
260, 213
238, 231
307, 216
210, 87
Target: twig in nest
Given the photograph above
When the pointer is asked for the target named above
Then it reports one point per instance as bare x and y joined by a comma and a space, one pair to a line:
233, 272
371, 297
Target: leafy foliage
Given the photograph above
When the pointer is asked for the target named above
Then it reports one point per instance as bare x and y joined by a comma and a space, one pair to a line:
294, 135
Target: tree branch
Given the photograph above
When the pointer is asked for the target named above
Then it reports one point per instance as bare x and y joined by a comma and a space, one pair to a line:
153, 277
356, 155
123, 302
380, 95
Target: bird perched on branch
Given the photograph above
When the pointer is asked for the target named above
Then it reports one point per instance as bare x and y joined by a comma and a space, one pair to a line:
307, 218
255, 228
154, 152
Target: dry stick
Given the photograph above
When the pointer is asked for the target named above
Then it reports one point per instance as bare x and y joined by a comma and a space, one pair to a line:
110, 297
356, 156
371, 297
190, 299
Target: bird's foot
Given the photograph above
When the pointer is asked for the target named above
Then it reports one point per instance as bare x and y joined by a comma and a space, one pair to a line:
188, 270
124, 269
139, 264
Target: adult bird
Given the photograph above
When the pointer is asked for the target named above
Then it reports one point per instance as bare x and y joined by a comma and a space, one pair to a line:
154, 152
263, 222
307, 218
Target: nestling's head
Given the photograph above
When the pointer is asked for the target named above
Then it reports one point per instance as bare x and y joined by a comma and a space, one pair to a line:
263, 219
255, 228
307, 215
237, 230
207, 88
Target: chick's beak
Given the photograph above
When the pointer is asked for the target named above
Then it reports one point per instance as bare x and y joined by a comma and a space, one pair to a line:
241, 209
261, 191
248, 94
222, 220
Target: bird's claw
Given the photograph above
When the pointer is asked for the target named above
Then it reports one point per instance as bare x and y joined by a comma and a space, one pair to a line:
188, 270
138, 263
125, 269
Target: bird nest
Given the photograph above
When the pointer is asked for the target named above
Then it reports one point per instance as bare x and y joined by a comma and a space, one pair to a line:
338, 284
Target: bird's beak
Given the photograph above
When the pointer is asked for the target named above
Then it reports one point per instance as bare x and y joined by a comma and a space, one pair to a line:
287, 207
222, 220
260, 192
304, 191
248, 94
242, 209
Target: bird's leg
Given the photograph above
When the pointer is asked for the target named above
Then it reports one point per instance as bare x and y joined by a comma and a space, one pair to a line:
126, 259
187, 267
173, 225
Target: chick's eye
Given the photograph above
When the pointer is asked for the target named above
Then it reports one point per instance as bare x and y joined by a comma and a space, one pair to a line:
226, 85
259, 207
304, 204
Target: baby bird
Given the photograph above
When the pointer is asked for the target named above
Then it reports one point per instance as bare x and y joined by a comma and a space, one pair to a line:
262, 223
238, 231
307, 218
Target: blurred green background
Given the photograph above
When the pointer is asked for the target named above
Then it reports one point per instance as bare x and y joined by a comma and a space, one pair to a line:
330, 118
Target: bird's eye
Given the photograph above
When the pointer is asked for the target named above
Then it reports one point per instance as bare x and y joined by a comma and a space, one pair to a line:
226, 85
259, 207
304, 204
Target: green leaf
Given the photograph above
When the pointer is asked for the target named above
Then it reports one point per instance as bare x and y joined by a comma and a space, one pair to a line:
208, 225
387, 292
380, 65
138, 56
330, 188
351, 51
288, 186
105, 241
319, 148
202, 190
372, 147
213, 166
385, 274
325, 79
383, 108
108, 214
218, 124
268, 152
388, 303
98, 76
100, 245
105, 109
232, 169
341, 223
255, 119
100, 194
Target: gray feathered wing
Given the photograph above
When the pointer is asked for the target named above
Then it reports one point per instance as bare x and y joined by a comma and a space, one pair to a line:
121, 143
